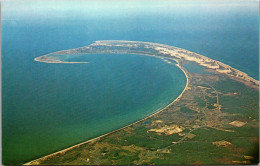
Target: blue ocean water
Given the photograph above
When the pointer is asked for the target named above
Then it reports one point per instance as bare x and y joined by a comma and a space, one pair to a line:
47, 107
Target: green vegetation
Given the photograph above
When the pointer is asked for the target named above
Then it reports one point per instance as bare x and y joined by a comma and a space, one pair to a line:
215, 122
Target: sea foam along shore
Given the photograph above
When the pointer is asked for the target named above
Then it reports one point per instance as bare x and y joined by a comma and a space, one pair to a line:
34, 162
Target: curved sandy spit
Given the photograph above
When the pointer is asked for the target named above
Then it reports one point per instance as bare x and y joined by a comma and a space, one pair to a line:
156, 112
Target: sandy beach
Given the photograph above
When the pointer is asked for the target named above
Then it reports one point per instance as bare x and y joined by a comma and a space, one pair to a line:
156, 112
173, 53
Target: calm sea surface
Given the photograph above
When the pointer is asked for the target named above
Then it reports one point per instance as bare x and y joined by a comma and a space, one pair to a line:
48, 107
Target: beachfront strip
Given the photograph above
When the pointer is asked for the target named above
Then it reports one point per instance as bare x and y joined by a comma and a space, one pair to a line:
152, 49
214, 121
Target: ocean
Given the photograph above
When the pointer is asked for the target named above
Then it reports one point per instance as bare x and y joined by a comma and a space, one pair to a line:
48, 107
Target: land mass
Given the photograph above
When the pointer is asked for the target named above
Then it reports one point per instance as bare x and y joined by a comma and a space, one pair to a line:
213, 121
152, 49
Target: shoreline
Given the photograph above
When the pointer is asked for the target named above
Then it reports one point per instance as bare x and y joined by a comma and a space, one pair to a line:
170, 54
56, 61
96, 138
166, 50
195, 57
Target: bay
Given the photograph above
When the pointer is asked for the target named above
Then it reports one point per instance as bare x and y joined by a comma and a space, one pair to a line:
48, 107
